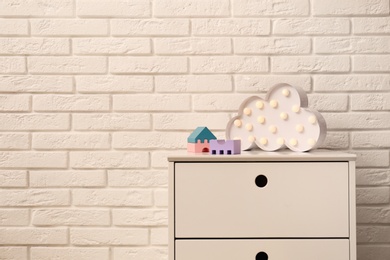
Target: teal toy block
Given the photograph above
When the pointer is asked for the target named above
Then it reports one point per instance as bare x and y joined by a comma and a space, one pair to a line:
201, 134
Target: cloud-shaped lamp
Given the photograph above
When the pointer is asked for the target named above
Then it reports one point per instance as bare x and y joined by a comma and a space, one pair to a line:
281, 120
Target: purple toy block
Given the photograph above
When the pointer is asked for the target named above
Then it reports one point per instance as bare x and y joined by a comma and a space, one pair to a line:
225, 147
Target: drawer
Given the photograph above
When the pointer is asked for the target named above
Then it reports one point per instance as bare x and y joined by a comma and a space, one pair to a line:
214, 200
292, 249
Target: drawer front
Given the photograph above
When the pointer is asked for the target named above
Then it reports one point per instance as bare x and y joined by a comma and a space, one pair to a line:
298, 200
293, 249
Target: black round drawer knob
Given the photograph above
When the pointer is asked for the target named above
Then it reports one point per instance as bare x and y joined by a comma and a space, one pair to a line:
262, 256
261, 181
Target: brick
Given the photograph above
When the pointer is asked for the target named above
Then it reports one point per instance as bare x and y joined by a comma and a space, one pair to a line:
115, 121
352, 45
229, 64
90, 160
150, 27
374, 63
192, 46
273, 45
353, 7
13, 253
34, 197
14, 217
310, 64
161, 198
377, 195
34, 46
269, 8
149, 65
230, 27
131, 253
371, 139
36, 84
330, 103
68, 178
193, 83
12, 65
69, 27
373, 252
71, 103
61, 141
256, 83
15, 103
149, 140
12, 178
114, 84
351, 83
181, 122
372, 158
13, 27
373, 234
112, 236
373, 177
105, 46
14, 141
370, 101
112, 197
336, 140
139, 217
45, 8
311, 26
373, 215
69, 253
70, 217
67, 65
44, 122
372, 25
113, 8
160, 158
157, 102
357, 120
218, 102
33, 236
191, 8
159, 236
33, 160
136, 178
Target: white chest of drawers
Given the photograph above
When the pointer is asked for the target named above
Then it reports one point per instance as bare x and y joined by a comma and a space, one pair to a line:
259, 206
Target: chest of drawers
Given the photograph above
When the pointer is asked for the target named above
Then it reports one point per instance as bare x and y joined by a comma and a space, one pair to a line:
258, 205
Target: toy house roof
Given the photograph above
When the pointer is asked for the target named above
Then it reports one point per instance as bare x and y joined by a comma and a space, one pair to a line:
201, 133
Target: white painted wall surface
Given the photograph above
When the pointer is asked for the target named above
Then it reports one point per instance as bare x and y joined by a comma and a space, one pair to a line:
96, 93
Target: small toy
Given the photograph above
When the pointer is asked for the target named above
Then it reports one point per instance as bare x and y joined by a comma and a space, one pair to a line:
280, 120
199, 140
225, 147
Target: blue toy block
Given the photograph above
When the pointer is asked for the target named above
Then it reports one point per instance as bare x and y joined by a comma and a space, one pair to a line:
201, 133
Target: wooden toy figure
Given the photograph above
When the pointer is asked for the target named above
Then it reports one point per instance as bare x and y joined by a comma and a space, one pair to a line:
225, 147
199, 140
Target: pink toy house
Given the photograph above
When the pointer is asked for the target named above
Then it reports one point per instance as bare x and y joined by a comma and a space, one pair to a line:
199, 140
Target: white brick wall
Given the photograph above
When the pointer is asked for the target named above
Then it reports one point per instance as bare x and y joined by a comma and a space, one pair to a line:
95, 94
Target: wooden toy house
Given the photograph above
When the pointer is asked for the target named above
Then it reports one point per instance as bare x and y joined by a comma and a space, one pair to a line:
199, 140
225, 147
